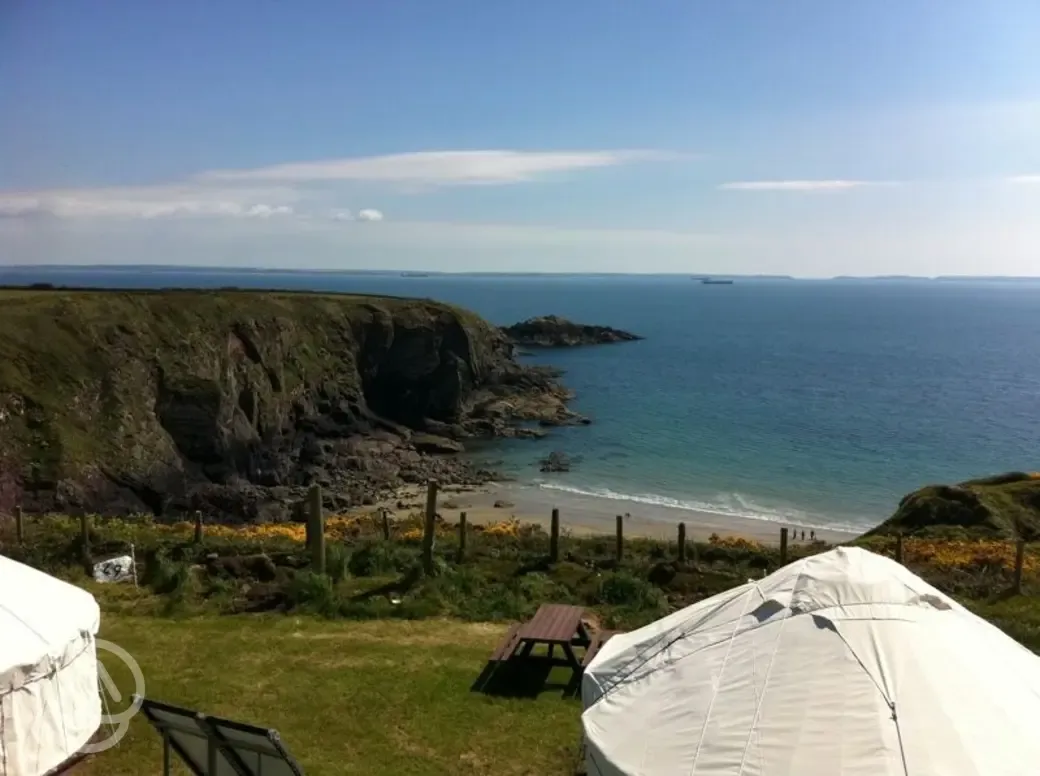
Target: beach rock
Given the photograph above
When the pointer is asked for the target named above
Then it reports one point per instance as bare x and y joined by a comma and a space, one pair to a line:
430, 443
530, 433
442, 429
502, 504
556, 462
551, 331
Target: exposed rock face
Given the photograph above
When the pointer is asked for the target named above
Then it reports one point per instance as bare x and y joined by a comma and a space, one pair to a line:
232, 402
551, 331
1005, 506
556, 461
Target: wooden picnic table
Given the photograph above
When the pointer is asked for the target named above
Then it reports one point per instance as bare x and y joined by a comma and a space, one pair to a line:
554, 625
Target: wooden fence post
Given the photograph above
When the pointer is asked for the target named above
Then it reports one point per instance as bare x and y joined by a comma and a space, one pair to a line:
84, 537
316, 529
386, 524
1020, 555
462, 537
19, 527
619, 549
682, 542
554, 536
198, 527
899, 548
783, 546
429, 526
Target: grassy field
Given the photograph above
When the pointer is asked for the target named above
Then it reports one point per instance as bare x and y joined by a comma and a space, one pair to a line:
372, 697
369, 669
377, 697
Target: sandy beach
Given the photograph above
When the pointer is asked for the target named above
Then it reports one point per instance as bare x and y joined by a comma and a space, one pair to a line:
591, 515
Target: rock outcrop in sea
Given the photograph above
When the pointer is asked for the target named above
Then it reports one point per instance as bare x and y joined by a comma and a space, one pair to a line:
233, 402
550, 331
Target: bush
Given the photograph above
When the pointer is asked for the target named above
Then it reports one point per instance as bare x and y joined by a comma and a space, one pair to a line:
379, 558
315, 593
165, 576
620, 588
337, 562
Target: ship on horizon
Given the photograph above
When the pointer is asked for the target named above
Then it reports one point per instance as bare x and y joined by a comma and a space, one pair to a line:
716, 282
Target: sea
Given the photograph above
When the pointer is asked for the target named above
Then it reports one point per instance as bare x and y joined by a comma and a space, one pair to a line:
818, 403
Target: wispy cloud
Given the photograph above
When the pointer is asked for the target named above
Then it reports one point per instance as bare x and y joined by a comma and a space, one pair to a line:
803, 185
440, 168
1024, 179
191, 200
287, 189
161, 201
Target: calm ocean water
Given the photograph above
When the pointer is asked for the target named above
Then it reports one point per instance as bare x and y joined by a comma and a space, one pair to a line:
814, 402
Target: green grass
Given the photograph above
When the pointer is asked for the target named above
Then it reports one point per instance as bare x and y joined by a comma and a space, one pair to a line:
358, 684
368, 697
378, 697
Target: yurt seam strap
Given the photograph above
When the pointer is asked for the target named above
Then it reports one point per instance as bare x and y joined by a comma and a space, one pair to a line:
762, 698
718, 684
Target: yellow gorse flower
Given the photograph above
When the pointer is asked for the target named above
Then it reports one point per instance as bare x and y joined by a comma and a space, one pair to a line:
966, 554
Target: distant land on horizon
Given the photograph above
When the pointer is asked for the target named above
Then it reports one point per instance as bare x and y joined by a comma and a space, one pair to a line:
130, 268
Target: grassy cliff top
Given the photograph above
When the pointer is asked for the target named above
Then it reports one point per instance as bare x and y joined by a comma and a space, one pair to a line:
54, 337
1005, 506
78, 367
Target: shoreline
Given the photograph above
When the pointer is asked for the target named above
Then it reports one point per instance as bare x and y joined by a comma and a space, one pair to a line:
590, 515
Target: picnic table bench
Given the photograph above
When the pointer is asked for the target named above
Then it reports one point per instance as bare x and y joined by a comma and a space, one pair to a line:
553, 625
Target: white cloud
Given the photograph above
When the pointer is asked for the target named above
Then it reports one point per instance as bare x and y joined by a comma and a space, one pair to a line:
801, 185
439, 167
162, 201
1024, 179
279, 190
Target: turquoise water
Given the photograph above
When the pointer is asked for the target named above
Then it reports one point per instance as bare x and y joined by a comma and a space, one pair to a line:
810, 402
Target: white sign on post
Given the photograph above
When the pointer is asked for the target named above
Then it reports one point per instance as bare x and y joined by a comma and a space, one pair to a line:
119, 569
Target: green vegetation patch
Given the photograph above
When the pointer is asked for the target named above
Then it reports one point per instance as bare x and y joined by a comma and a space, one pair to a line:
1006, 507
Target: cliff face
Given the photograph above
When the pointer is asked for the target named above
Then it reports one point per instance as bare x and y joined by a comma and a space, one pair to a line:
174, 400
1006, 506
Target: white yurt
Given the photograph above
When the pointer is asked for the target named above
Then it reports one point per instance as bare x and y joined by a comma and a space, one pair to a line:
844, 663
49, 701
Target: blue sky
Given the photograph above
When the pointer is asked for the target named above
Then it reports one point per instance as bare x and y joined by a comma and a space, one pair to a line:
796, 137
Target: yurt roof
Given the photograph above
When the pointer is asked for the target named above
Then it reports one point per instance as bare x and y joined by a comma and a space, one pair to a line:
844, 662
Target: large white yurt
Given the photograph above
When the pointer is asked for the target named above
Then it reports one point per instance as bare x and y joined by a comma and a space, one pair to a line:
49, 701
843, 663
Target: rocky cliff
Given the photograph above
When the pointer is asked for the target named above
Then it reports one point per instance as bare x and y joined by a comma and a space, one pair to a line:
1005, 507
230, 401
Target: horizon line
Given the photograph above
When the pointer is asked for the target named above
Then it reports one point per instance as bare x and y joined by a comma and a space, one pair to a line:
501, 273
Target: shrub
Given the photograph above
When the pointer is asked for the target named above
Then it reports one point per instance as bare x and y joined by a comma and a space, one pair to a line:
377, 558
337, 562
315, 593
164, 575
620, 588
